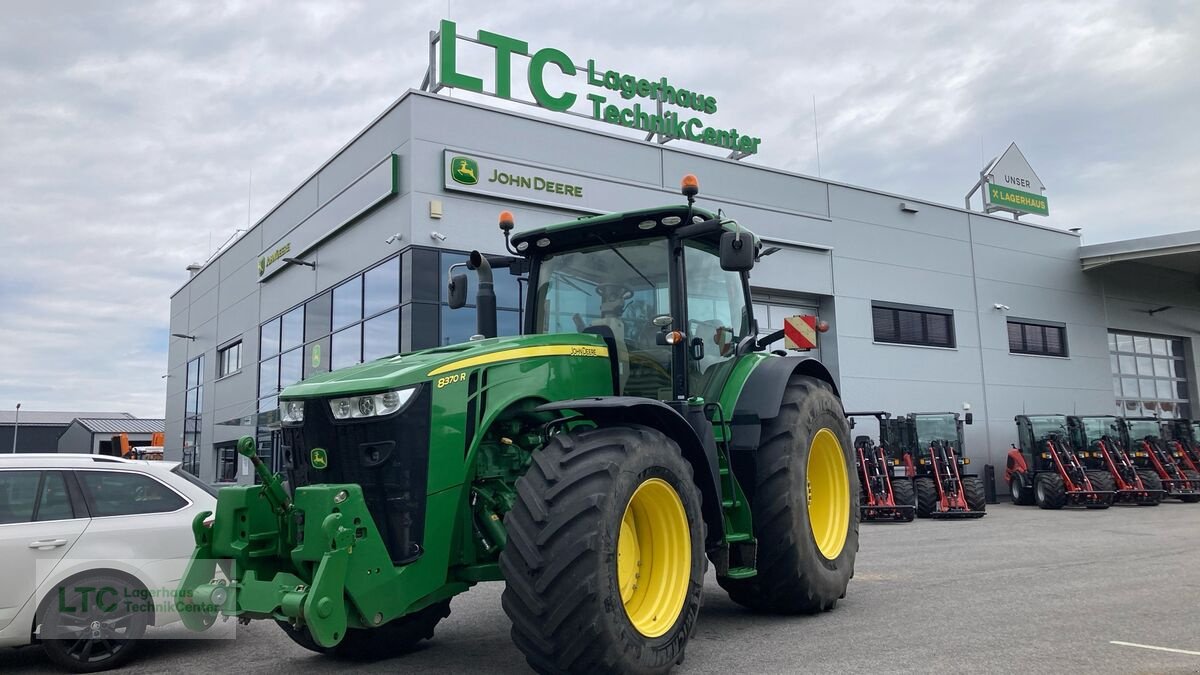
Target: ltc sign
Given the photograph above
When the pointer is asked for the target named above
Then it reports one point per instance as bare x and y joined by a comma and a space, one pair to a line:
684, 123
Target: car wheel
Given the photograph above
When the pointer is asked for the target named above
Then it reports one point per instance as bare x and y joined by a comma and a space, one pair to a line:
93, 622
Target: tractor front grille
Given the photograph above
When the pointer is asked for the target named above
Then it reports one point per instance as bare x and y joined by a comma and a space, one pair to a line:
388, 457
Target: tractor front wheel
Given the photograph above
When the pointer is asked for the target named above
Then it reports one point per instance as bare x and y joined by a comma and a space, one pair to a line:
604, 564
1194, 478
903, 495
974, 493
1049, 491
394, 638
1151, 481
1102, 481
1020, 494
803, 498
927, 496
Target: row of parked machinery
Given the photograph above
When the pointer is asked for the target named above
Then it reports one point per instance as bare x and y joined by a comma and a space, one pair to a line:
918, 468
1096, 461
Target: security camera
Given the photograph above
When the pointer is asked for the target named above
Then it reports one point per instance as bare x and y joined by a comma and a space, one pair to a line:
437, 235
1002, 308
394, 237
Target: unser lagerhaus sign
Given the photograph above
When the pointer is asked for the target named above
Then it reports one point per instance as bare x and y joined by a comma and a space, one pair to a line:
623, 99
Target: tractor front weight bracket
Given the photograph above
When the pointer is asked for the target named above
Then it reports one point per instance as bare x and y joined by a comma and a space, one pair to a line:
324, 608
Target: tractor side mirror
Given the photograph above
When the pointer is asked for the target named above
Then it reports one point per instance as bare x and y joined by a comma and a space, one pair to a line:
458, 291
969, 418
737, 253
851, 421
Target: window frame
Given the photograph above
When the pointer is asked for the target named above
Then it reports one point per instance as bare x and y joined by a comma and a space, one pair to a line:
1026, 323
78, 509
222, 361
219, 450
924, 311
88, 500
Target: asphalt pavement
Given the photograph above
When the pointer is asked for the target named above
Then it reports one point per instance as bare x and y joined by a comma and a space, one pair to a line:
1021, 590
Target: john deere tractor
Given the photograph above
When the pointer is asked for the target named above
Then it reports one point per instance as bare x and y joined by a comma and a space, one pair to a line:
637, 430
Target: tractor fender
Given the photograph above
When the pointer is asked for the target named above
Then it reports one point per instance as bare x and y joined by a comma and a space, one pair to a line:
700, 452
1016, 464
762, 394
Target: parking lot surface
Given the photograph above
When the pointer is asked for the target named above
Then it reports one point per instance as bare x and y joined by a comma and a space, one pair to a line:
1022, 590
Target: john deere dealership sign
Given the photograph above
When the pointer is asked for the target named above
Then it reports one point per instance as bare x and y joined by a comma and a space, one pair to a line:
1011, 185
623, 99
521, 181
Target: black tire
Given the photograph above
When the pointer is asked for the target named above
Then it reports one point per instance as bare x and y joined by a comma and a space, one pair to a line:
1021, 495
927, 496
1151, 481
1102, 481
107, 602
1049, 491
1195, 479
562, 590
794, 576
904, 495
394, 638
974, 493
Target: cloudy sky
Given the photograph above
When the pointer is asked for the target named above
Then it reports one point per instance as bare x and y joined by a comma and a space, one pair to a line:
129, 131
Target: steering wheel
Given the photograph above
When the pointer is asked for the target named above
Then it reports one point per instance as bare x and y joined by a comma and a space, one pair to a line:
611, 292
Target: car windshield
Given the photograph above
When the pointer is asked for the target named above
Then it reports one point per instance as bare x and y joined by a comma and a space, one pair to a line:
1139, 429
932, 428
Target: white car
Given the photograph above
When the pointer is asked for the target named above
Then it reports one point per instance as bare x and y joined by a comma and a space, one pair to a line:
93, 546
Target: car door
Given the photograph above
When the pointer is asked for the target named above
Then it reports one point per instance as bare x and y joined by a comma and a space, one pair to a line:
38, 526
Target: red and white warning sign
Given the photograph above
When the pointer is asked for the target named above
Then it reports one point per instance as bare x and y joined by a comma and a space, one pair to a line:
800, 332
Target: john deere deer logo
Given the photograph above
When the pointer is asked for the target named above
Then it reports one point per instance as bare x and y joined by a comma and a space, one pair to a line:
464, 170
319, 459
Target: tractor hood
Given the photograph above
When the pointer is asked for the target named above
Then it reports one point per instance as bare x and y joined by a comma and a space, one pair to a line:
394, 372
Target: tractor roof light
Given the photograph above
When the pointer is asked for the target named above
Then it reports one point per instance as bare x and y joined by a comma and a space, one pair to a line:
675, 337
507, 222
690, 185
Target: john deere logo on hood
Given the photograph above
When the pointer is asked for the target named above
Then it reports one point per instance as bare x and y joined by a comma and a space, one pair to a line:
464, 170
319, 459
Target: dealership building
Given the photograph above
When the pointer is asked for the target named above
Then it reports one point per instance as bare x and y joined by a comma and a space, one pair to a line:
930, 307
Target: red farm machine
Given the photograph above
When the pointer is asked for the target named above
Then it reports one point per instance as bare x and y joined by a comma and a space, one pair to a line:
1048, 470
1157, 457
1102, 450
932, 452
883, 495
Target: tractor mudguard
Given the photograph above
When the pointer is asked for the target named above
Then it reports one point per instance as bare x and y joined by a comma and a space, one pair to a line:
762, 393
700, 453
1015, 464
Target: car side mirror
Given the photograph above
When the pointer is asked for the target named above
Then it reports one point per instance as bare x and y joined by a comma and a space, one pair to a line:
737, 253
458, 291
969, 418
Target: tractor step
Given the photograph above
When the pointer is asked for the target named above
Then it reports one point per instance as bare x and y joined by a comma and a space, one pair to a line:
1085, 497
1139, 496
741, 572
957, 513
903, 513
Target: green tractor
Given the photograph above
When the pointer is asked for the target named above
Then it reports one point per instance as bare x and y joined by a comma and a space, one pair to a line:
637, 430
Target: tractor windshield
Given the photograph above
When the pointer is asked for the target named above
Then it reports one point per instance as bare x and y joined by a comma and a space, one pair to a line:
620, 287
1045, 425
1096, 428
932, 428
1139, 429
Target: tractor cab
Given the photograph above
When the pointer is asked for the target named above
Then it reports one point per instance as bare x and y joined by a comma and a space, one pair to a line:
1179, 435
933, 453
1104, 454
1154, 453
1048, 469
931, 429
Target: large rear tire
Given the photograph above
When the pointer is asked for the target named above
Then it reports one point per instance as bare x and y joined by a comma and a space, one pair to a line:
804, 500
1049, 491
604, 565
974, 493
394, 638
927, 496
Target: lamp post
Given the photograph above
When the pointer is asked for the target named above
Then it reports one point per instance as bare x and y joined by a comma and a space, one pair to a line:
16, 426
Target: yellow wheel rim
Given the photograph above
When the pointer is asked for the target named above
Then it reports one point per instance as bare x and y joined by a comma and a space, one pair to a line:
654, 557
828, 494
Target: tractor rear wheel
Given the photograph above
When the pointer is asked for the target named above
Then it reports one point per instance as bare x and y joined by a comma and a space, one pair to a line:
1049, 491
902, 493
604, 564
927, 496
1195, 479
803, 499
974, 493
1021, 495
394, 638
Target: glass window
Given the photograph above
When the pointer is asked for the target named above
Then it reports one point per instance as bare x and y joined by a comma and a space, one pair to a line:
347, 303
229, 359
381, 287
1033, 338
53, 502
316, 357
268, 341
193, 407
18, 496
347, 347
291, 368
122, 493
458, 325
716, 311
292, 331
318, 313
507, 322
1152, 378
928, 327
178, 471
268, 377
381, 336
227, 463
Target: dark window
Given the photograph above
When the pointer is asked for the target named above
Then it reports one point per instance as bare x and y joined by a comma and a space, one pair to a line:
230, 359
290, 368
119, 493
18, 495
227, 462
53, 503
381, 336
381, 287
192, 415
268, 344
913, 326
347, 303
293, 329
1037, 338
316, 357
347, 347
317, 315
178, 471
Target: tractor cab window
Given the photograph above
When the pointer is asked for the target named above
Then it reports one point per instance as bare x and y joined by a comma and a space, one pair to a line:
1043, 426
1096, 428
932, 428
1140, 429
716, 316
619, 287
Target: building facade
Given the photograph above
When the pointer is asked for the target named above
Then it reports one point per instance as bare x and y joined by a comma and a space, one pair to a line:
931, 307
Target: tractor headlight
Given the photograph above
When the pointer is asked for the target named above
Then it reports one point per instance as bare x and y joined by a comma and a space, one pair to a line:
371, 405
291, 412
